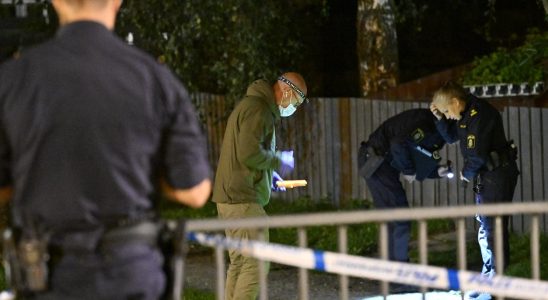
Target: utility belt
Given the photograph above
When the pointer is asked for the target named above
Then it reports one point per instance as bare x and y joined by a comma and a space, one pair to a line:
497, 159
28, 257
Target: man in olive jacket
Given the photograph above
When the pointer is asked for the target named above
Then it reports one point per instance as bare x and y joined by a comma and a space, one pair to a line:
246, 171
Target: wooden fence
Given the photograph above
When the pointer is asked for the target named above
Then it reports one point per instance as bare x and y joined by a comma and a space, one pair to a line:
326, 133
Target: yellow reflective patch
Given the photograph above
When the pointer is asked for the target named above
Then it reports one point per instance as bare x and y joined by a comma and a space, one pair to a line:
473, 112
418, 135
471, 141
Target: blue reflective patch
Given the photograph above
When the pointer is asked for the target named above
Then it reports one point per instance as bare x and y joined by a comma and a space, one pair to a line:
453, 277
319, 263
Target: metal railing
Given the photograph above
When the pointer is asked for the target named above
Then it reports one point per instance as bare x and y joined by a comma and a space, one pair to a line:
343, 219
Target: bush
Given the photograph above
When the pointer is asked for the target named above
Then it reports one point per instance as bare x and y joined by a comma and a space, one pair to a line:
528, 63
219, 46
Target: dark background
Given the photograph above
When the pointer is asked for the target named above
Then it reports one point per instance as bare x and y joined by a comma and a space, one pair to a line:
448, 34
445, 34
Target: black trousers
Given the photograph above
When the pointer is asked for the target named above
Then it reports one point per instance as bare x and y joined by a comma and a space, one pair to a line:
388, 192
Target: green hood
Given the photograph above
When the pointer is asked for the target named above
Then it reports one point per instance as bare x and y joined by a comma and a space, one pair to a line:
248, 155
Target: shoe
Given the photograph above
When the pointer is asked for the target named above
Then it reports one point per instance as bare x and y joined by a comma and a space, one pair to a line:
398, 288
475, 295
484, 296
472, 295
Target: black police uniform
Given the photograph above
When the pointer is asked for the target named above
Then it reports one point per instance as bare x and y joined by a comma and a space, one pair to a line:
396, 140
490, 161
87, 124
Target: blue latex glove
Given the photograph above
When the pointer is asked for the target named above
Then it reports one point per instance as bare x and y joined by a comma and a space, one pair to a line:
275, 178
287, 162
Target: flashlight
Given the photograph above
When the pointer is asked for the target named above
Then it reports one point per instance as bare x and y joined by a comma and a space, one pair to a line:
450, 173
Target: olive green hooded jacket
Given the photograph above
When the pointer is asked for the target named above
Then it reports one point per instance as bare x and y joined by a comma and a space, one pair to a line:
248, 156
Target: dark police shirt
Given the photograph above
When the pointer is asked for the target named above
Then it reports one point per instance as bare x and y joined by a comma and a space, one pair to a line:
398, 136
86, 121
480, 131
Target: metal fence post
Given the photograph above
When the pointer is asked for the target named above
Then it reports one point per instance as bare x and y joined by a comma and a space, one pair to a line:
423, 249
461, 246
220, 260
343, 248
383, 249
303, 273
499, 252
263, 272
535, 248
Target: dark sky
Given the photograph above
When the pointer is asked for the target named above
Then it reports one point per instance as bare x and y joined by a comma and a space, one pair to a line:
451, 33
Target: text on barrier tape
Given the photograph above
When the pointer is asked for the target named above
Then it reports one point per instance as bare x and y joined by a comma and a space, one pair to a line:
357, 266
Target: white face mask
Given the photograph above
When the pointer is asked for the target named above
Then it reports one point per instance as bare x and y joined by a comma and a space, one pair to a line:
289, 110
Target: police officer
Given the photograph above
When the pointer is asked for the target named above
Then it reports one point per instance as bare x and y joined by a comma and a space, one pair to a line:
88, 124
397, 146
489, 159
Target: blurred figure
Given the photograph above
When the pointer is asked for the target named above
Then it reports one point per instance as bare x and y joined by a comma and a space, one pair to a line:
88, 126
489, 161
246, 173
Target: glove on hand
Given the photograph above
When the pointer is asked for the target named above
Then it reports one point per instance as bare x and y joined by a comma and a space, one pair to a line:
443, 171
464, 178
410, 178
287, 162
464, 181
436, 112
275, 178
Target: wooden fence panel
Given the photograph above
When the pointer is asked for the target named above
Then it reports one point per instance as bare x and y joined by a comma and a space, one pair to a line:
544, 164
326, 134
536, 157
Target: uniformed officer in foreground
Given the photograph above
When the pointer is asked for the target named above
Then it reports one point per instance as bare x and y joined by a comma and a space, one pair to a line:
489, 160
88, 124
406, 143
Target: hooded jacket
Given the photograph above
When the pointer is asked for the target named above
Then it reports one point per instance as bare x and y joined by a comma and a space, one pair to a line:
248, 156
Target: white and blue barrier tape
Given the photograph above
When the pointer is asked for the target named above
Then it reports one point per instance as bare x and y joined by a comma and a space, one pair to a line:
357, 266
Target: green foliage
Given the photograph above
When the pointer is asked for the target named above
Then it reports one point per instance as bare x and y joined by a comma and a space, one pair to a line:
520, 257
527, 63
217, 46
194, 294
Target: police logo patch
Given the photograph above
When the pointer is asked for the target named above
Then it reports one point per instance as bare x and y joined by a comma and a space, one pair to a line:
471, 141
417, 135
436, 155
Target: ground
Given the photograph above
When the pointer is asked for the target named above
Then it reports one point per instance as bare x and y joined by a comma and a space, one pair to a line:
282, 281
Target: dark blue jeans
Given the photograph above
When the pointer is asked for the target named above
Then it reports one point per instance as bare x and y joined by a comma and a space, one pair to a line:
388, 192
498, 187
129, 271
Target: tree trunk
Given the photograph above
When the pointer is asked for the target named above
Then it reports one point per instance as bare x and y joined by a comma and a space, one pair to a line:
377, 45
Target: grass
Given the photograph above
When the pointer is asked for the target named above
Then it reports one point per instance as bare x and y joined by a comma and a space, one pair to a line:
194, 294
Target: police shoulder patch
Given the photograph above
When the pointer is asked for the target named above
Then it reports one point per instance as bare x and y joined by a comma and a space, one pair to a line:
471, 141
417, 135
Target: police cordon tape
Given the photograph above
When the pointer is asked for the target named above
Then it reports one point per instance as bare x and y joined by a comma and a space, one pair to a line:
357, 266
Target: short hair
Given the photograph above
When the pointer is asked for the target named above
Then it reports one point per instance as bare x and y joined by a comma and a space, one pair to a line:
449, 91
